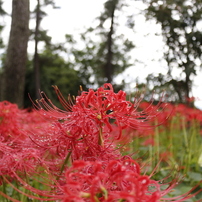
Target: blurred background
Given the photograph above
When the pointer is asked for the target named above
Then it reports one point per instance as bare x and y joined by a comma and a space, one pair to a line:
146, 45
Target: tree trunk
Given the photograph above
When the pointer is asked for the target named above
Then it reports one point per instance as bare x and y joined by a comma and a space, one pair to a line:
16, 57
36, 54
108, 66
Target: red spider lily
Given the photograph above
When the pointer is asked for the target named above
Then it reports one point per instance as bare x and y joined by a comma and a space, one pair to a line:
84, 134
116, 180
85, 127
93, 112
10, 122
56, 140
24, 160
188, 113
166, 109
106, 181
17, 152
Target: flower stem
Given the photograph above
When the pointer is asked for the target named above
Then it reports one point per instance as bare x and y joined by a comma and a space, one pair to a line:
157, 143
100, 137
186, 145
64, 163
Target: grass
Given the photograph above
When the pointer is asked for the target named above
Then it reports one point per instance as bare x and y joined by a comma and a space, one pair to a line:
177, 145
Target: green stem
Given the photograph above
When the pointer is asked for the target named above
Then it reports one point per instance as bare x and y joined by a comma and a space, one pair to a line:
186, 144
4, 190
64, 163
193, 142
171, 136
157, 143
22, 196
96, 199
151, 153
185, 133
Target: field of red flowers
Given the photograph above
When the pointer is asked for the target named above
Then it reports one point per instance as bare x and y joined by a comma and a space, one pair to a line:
100, 148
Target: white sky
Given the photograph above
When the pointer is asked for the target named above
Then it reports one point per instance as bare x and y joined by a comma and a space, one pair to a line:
74, 15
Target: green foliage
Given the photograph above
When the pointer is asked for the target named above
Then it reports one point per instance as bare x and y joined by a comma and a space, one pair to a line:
180, 22
103, 52
177, 145
13, 190
42, 37
54, 71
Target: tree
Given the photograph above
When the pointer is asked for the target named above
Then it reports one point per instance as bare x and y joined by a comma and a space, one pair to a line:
180, 22
55, 71
39, 35
110, 7
48, 67
2, 13
105, 48
36, 55
16, 57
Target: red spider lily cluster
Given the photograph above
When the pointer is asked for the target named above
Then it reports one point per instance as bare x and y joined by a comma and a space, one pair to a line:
75, 148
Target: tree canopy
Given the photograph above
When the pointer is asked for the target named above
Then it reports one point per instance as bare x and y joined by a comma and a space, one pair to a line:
103, 50
181, 29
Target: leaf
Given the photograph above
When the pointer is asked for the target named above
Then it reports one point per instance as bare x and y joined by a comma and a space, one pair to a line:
194, 176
